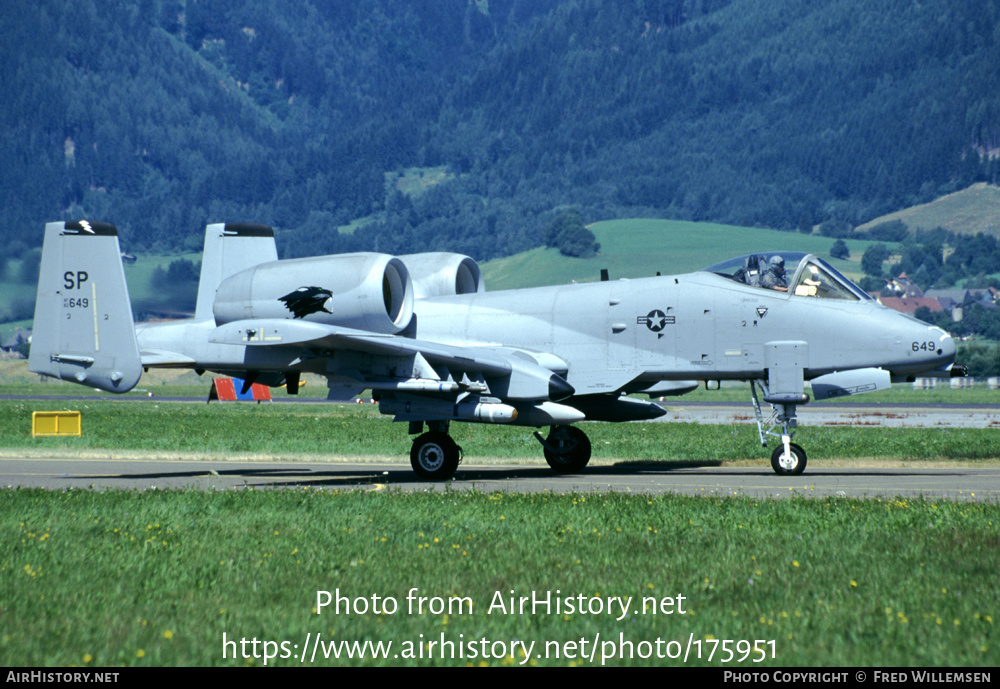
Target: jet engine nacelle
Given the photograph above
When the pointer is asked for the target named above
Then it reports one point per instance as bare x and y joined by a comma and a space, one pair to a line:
365, 291
443, 274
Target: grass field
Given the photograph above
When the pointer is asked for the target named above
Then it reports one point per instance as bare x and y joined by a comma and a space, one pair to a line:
162, 578
221, 430
158, 578
417, 181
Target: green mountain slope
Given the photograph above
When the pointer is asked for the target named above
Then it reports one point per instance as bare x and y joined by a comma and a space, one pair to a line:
162, 115
641, 248
970, 211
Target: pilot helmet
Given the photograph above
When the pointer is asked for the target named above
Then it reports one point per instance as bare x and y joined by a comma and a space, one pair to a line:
778, 263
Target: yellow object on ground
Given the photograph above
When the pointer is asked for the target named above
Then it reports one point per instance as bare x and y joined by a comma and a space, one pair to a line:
56, 423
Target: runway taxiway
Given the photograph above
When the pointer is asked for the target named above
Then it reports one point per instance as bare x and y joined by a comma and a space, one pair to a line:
138, 473
981, 481
845, 414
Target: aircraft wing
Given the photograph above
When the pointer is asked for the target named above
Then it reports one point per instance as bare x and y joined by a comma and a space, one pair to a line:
282, 332
512, 375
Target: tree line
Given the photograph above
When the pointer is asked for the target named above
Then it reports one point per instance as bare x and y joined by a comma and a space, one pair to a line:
163, 115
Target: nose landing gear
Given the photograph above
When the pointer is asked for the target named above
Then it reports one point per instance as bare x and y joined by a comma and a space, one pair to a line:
788, 459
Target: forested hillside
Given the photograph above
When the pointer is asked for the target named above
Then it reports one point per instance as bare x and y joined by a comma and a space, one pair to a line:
162, 115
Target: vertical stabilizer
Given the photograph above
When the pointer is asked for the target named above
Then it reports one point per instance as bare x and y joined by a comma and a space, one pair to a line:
229, 249
83, 330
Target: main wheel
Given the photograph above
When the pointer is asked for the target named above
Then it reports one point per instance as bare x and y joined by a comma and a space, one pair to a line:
435, 456
792, 465
572, 449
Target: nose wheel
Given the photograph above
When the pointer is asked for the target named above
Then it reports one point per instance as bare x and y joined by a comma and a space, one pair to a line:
788, 461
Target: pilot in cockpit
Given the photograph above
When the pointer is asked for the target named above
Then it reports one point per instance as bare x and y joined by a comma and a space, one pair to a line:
775, 278
810, 275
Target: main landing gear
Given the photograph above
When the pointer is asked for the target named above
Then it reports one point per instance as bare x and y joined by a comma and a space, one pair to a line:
435, 456
788, 459
566, 449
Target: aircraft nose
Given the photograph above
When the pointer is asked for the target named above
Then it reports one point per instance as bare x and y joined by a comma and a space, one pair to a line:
947, 345
936, 350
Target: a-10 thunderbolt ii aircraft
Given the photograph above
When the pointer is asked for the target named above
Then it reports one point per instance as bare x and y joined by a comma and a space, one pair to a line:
421, 332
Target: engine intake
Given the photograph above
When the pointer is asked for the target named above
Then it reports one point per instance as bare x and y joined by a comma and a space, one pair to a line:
443, 274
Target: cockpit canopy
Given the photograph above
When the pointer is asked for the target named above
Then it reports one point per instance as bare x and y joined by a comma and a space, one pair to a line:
805, 275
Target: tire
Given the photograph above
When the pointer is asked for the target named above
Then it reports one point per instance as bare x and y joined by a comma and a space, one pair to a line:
795, 466
435, 456
572, 449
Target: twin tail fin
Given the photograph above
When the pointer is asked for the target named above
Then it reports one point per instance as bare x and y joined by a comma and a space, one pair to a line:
83, 330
